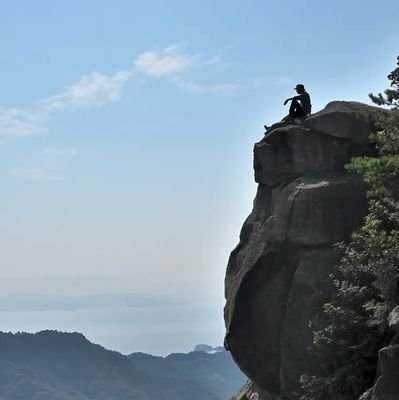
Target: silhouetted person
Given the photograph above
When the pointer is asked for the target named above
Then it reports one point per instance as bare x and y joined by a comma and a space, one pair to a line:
300, 107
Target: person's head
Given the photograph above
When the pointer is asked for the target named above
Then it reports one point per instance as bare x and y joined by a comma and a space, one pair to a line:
299, 88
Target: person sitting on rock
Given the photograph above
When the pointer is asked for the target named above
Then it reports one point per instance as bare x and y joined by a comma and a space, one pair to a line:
300, 107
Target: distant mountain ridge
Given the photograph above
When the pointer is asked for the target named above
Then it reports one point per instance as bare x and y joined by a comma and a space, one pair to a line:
51, 365
208, 349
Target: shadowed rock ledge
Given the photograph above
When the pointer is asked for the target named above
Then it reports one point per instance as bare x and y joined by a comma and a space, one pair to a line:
277, 277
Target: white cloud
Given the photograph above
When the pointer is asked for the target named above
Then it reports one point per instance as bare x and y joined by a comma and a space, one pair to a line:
49, 165
36, 174
15, 122
172, 62
168, 62
225, 89
216, 60
282, 81
92, 90
60, 153
97, 89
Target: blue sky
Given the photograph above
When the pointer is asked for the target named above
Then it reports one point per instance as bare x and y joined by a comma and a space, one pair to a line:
126, 134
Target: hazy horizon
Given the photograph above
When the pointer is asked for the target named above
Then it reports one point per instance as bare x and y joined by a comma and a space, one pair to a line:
126, 136
156, 330
158, 324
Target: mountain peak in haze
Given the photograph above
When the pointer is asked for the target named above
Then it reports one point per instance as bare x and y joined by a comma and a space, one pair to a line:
208, 349
51, 365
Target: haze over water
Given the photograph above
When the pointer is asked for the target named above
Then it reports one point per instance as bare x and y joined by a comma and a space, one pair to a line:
126, 136
156, 323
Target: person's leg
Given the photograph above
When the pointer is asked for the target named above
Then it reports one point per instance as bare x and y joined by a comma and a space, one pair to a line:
294, 112
296, 109
293, 107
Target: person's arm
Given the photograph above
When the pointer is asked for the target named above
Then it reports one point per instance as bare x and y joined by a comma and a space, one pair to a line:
292, 98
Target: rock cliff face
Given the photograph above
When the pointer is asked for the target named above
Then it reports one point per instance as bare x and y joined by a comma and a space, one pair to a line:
277, 277
387, 383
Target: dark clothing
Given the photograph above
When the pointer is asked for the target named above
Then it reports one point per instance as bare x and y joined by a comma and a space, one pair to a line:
296, 109
300, 107
304, 98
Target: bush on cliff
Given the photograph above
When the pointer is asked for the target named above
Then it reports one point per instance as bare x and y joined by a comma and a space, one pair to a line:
353, 327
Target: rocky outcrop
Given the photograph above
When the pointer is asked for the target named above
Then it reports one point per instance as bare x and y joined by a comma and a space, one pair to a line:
278, 276
250, 391
387, 384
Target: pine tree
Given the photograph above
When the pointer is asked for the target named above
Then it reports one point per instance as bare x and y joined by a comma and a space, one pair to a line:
353, 327
391, 95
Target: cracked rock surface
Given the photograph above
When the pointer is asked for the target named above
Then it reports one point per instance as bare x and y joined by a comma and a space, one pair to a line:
277, 277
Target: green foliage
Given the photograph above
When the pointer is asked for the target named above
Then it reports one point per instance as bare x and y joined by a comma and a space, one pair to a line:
391, 95
353, 325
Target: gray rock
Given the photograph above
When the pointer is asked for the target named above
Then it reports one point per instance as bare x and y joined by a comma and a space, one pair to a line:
388, 358
312, 211
269, 334
347, 120
393, 320
387, 384
323, 142
367, 395
385, 388
289, 152
278, 276
245, 392
250, 391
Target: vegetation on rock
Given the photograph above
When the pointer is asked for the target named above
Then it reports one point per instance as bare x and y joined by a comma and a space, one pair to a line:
353, 325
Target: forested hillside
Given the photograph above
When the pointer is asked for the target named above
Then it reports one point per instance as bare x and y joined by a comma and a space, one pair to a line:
51, 365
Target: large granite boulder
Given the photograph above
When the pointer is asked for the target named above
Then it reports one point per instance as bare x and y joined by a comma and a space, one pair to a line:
351, 121
300, 151
278, 276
